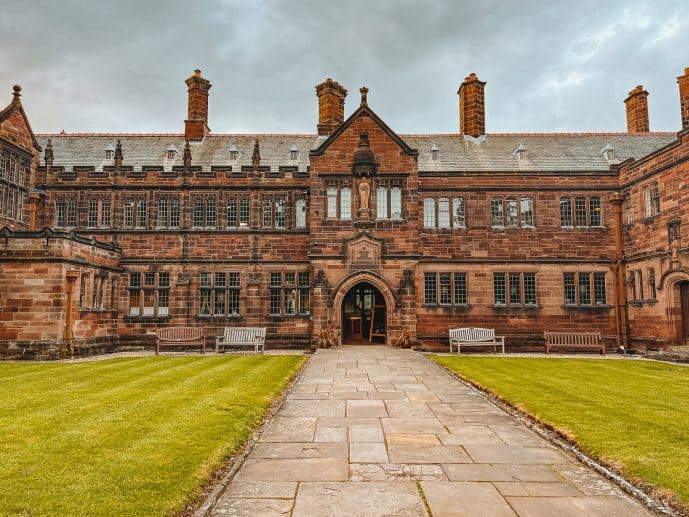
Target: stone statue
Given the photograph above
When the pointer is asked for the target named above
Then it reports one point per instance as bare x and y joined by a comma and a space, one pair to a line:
364, 194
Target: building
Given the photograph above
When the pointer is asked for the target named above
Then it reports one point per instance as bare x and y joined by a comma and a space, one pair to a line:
106, 237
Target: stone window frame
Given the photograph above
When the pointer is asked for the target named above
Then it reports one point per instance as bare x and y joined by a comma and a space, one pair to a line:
391, 190
521, 286
651, 199
595, 283
135, 212
289, 294
339, 214
272, 205
457, 286
204, 211
168, 211
235, 203
507, 211
147, 286
432, 212
103, 210
301, 206
66, 211
219, 294
15, 179
582, 211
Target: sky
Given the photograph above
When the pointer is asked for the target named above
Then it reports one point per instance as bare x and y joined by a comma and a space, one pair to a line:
550, 66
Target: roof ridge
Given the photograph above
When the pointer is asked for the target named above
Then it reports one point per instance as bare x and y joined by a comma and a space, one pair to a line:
181, 135
554, 134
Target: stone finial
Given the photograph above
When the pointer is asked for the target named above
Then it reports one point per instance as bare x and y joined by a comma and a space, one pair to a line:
49, 153
186, 157
118, 154
16, 92
256, 156
364, 95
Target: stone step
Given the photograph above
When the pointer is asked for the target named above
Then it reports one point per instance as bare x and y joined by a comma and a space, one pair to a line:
131, 348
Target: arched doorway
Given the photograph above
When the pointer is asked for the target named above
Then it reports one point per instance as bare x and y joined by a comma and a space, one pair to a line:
683, 288
364, 315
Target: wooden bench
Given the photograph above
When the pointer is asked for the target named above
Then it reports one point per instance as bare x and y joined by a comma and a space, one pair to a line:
180, 336
242, 336
575, 340
475, 337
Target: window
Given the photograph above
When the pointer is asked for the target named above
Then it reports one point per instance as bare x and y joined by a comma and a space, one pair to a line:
651, 277
443, 212
631, 284
651, 199
345, 203
595, 217
244, 211
152, 298
273, 212
82, 290
205, 215
332, 202
458, 213
628, 208
300, 213
339, 198
514, 288
580, 211
232, 213
396, 203
105, 213
511, 212
234, 153
293, 153
135, 213
496, 214
648, 211
93, 213
445, 288
98, 215
168, 212
640, 284
71, 213
219, 294
60, 213
585, 288
289, 293
429, 212
382, 203
565, 211
279, 213
526, 214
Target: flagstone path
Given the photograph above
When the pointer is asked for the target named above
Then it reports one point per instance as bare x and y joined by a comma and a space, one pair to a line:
370, 430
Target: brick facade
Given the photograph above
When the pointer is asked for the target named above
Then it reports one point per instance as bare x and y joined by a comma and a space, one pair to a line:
518, 232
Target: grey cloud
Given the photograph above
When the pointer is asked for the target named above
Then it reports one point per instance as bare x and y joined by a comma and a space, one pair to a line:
550, 66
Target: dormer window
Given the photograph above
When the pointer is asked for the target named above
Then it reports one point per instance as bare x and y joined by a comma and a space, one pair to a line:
172, 152
521, 151
293, 153
234, 153
608, 153
434, 152
109, 151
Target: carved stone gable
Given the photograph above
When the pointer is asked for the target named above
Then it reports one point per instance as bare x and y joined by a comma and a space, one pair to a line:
364, 251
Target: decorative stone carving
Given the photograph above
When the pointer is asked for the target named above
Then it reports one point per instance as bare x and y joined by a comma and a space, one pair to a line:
321, 280
674, 237
364, 251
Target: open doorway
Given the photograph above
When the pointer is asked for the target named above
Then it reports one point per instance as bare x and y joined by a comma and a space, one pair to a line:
684, 316
364, 315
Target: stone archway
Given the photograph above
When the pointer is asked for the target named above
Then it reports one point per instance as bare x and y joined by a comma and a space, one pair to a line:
381, 285
675, 283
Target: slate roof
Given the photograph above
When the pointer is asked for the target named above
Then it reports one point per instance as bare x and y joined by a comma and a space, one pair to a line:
545, 152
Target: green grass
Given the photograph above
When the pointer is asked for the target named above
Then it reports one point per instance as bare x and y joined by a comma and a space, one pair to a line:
631, 414
136, 436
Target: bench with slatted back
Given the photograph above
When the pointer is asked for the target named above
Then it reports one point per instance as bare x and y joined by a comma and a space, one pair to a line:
242, 336
574, 340
475, 337
180, 336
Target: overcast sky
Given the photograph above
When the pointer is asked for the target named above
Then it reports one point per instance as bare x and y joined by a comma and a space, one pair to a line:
119, 66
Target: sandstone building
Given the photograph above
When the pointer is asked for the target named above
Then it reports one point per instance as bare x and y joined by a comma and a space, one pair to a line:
106, 237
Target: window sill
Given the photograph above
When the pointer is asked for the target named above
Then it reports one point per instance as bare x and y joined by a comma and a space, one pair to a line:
641, 303
516, 307
217, 317
650, 219
593, 308
278, 317
146, 319
458, 307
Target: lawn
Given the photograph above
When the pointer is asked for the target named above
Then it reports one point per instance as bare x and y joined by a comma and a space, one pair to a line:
128, 436
632, 414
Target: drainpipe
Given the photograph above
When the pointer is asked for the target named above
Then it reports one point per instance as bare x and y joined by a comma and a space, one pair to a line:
68, 335
621, 320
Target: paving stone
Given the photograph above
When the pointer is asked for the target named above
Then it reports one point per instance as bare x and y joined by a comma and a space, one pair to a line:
317, 408
349, 395
366, 434
412, 425
285, 429
398, 498
517, 435
387, 395
303, 469
411, 439
299, 450
447, 498
330, 434
470, 435
395, 471
244, 507
576, 506
263, 489
404, 409
501, 472
427, 454
366, 408
521, 488
368, 453
348, 422
425, 396
512, 454
588, 481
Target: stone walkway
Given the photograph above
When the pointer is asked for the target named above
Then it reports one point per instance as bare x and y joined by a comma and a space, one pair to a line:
371, 430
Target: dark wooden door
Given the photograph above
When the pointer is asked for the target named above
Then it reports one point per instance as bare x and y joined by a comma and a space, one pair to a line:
684, 292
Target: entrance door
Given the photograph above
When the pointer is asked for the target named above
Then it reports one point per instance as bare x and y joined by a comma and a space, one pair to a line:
364, 315
684, 294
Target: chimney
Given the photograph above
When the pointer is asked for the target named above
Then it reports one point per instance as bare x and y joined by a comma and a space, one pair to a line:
196, 125
637, 111
472, 107
331, 98
683, 81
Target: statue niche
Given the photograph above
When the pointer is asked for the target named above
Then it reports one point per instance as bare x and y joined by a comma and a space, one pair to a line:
364, 166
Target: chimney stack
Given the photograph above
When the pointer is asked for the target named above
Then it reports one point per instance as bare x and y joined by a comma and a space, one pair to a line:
331, 98
196, 125
637, 111
683, 81
472, 107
